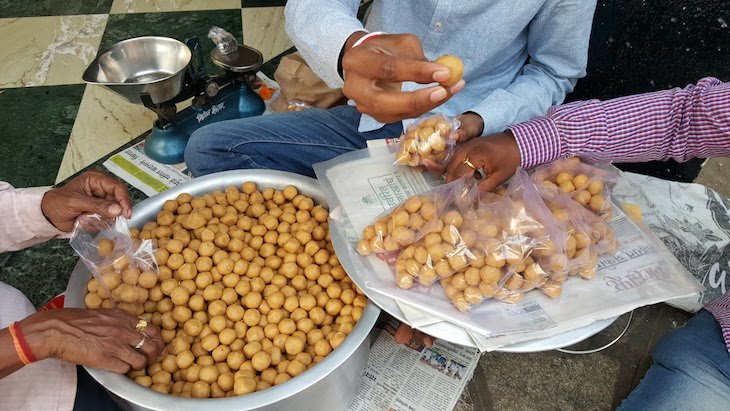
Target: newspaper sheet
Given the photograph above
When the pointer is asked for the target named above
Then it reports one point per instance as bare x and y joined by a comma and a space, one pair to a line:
413, 377
150, 177
366, 184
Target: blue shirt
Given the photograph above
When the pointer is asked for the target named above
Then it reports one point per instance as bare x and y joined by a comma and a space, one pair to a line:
520, 56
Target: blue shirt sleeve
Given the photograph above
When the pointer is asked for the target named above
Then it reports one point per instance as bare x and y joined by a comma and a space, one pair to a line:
557, 45
319, 29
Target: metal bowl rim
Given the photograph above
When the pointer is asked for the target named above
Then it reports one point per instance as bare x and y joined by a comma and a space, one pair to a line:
130, 391
188, 58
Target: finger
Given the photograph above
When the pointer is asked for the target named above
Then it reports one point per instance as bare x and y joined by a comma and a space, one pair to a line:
103, 186
492, 181
432, 165
403, 334
128, 354
458, 167
82, 204
424, 338
390, 68
402, 105
113, 364
154, 338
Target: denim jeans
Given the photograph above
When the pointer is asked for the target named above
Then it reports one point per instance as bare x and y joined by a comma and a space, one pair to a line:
283, 141
691, 371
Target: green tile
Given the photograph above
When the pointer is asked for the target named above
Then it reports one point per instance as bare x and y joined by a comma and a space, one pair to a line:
15, 8
179, 25
41, 272
35, 128
262, 3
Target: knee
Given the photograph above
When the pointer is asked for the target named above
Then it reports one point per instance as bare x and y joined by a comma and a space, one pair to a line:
201, 151
680, 350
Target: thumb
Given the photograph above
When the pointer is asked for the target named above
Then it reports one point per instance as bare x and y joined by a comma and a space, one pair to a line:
103, 207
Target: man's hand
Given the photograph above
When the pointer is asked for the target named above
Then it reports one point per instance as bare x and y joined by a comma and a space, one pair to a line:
498, 156
471, 126
91, 192
374, 71
103, 338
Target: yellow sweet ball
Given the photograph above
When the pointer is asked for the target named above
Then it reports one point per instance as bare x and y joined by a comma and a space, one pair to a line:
455, 66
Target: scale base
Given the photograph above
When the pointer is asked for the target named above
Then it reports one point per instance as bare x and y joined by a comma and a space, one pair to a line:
166, 143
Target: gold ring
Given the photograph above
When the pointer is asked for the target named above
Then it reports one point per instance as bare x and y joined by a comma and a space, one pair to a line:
141, 325
140, 343
467, 162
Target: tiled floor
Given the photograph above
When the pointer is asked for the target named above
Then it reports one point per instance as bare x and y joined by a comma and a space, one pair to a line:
53, 123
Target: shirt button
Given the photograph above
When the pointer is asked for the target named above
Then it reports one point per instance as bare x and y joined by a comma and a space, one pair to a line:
437, 25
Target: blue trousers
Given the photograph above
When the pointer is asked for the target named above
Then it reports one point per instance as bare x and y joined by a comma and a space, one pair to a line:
691, 371
283, 141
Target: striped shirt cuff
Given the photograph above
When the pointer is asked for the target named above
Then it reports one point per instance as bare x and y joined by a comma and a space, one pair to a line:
538, 141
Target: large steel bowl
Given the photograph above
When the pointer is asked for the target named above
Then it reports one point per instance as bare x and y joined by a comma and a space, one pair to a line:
150, 65
330, 385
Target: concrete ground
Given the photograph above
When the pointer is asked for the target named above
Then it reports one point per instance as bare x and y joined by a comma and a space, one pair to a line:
554, 380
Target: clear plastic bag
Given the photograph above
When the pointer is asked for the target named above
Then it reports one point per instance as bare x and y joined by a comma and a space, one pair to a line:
125, 268
224, 41
419, 215
520, 247
428, 139
588, 185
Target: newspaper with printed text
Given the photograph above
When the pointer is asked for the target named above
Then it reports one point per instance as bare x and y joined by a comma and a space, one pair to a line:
413, 377
365, 184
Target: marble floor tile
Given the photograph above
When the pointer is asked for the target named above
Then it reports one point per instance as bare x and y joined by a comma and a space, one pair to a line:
182, 25
15, 8
147, 6
35, 127
263, 29
105, 122
44, 51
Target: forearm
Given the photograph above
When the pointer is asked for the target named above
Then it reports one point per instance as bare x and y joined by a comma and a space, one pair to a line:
680, 124
22, 222
320, 29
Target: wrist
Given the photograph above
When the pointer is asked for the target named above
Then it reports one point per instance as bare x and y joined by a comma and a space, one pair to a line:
36, 333
354, 37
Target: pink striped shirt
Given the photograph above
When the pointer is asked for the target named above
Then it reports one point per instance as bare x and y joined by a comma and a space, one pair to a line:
680, 124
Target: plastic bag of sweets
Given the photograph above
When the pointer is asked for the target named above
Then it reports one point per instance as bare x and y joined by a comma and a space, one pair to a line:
429, 139
506, 267
440, 253
589, 186
124, 268
417, 216
532, 248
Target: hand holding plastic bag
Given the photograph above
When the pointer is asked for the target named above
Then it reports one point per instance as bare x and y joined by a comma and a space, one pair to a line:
429, 139
124, 268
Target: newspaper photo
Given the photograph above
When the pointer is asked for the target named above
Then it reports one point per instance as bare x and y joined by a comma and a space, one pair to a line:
413, 377
643, 272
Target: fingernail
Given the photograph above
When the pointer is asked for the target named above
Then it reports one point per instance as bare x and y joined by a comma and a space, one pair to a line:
114, 209
439, 94
457, 87
441, 75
